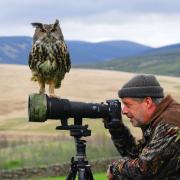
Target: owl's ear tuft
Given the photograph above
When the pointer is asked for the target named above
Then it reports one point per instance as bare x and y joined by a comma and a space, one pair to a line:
35, 24
56, 22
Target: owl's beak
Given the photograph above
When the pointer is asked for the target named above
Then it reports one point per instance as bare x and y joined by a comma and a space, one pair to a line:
48, 34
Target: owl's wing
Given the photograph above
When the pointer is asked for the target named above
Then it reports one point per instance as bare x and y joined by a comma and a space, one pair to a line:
64, 56
68, 61
30, 60
37, 55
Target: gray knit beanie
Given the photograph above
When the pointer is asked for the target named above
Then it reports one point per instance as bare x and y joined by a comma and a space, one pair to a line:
142, 86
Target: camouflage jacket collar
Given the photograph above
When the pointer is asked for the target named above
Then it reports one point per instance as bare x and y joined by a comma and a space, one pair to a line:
167, 111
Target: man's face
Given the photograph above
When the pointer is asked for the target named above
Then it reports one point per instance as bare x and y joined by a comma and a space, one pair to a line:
137, 111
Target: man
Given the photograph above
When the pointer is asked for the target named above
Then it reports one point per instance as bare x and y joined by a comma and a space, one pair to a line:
157, 155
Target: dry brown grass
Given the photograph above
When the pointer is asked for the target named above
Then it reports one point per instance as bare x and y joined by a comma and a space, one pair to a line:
78, 85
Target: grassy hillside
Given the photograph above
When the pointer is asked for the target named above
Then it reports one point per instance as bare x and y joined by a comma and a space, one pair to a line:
157, 62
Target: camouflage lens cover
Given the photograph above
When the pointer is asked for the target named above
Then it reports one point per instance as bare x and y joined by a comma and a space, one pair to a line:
37, 107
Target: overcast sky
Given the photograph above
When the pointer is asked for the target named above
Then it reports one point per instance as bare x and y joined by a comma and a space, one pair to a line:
150, 22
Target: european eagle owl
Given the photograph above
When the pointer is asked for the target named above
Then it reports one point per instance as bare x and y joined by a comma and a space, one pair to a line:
49, 59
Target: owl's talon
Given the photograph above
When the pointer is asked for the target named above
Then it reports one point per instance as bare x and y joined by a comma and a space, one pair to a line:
41, 92
54, 96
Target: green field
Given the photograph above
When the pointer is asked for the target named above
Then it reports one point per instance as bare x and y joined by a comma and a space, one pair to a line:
99, 176
46, 146
31, 151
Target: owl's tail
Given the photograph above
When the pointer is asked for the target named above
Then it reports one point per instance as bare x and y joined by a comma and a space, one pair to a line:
58, 79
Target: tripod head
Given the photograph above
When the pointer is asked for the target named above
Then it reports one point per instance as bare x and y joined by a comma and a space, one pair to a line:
80, 165
77, 129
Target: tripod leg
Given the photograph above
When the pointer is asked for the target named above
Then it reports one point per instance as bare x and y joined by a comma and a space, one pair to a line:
85, 174
81, 174
73, 170
89, 175
71, 175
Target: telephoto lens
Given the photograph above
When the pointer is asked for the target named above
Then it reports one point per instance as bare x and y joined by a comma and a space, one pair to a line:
41, 107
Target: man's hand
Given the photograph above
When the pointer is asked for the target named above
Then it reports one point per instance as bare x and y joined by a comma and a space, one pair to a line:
112, 123
109, 174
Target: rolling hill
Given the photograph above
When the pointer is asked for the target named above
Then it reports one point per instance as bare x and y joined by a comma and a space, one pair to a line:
86, 52
164, 61
15, 50
111, 55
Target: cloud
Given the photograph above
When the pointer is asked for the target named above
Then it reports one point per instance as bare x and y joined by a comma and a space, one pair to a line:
146, 30
153, 22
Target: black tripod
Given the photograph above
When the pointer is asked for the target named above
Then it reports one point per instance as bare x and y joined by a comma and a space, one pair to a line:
80, 165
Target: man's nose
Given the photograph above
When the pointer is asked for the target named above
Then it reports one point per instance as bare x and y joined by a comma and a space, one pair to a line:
124, 110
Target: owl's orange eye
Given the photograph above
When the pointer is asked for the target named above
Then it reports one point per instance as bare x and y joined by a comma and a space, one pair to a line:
53, 30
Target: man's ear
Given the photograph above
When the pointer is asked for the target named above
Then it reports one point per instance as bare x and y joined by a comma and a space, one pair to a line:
149, 102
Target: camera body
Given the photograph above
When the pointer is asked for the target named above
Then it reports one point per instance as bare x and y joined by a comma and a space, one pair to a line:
42, 107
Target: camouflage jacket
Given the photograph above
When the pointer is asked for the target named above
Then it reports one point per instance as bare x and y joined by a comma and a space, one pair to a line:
157, 155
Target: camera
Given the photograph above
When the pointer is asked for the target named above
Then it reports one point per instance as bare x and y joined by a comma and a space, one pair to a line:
42, 107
